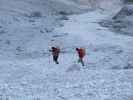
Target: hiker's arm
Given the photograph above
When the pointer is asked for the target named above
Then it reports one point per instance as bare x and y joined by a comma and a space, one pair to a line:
50, 50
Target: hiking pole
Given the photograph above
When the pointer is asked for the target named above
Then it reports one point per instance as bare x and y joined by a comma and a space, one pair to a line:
49, 57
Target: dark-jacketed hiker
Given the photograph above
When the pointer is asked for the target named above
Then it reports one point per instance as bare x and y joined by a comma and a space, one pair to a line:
81, 54
55, 53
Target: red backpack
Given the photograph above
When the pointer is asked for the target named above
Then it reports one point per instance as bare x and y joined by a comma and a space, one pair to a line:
81, 52
55, 51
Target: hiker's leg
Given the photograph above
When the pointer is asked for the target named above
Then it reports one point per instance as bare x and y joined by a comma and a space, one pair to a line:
56, 59
82, 62
53, 58
79, 60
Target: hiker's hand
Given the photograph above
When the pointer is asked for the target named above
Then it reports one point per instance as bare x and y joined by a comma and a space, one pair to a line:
50, 50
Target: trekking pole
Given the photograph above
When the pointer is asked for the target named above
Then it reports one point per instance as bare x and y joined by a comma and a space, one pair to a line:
49, 56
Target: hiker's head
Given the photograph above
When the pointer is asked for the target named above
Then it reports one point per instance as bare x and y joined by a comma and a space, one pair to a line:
77, 49
53, 47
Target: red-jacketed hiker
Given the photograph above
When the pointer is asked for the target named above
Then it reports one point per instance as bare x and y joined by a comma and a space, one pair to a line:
55, 53
81, 54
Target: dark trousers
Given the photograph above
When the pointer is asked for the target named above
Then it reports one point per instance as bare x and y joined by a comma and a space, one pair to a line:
55, 58
81, 61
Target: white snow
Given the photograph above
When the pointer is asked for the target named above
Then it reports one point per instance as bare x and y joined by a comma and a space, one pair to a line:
27, 71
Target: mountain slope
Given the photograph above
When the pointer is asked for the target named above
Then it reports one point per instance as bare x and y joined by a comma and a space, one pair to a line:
27, 31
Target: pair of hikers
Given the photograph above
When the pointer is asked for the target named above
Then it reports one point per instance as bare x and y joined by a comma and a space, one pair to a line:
56, 50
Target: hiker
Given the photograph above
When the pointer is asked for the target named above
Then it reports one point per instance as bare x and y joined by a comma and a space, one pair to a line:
55, 52
81, 54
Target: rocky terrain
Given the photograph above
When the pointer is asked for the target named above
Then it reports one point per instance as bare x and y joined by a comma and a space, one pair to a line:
28, 29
